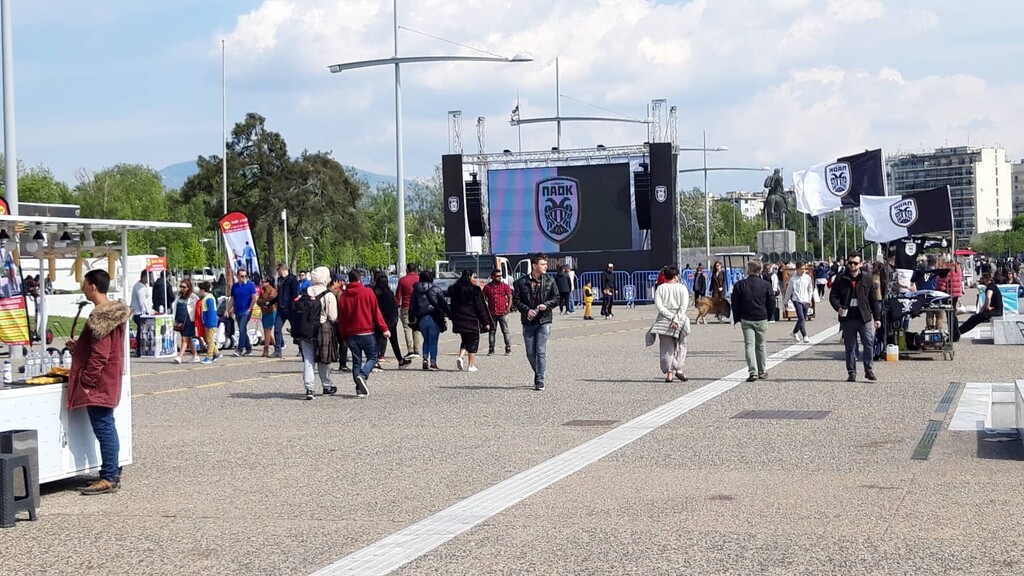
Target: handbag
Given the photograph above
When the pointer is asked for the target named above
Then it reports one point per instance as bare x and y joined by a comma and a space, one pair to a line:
179, 326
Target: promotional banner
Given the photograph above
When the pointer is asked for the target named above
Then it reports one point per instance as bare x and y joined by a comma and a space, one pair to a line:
157, 264
13, 311
239, 243
839, 184
4, 208
888, 218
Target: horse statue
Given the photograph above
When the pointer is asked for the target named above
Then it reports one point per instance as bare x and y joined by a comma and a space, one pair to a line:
776, 203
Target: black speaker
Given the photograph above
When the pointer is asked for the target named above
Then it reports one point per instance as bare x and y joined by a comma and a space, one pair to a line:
474, 207
642, 193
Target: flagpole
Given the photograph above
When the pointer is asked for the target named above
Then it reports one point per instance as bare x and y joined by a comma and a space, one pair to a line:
224, 125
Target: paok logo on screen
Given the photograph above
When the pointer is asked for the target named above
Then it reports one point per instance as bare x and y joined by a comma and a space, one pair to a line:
558, 207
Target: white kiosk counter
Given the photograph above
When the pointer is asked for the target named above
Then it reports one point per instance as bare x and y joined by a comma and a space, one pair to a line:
66, 444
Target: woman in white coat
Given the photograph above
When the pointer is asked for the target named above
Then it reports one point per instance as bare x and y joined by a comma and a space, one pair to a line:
672, 325
800, 291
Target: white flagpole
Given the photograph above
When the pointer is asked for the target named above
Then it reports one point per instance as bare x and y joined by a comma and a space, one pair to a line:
519, 126
224, 126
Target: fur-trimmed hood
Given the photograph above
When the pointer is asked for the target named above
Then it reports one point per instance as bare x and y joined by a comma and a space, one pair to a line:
108, 316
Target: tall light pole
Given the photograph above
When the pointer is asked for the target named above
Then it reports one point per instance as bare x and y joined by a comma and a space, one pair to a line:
707, 201
284, 218
312, 259
10, 149
397, 61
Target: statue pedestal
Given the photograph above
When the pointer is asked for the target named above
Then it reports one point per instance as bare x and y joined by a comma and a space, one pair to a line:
777, 241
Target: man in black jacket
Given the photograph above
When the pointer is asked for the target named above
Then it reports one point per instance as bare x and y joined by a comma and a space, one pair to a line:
860, 312
287, 292
753, 303
608, 291
534, 296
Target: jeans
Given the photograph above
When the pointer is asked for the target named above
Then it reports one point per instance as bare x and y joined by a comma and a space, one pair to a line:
363, 345
756, 350
852, 328
413, 339
308, 348
536, 338
102, 420
282, 315
244, 345
493, 334
801, 318
431, 334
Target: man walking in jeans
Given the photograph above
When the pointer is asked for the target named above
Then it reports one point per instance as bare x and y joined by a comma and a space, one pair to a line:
358, 315
287, 292
499, 301
753, 303
860, 312
534, 296
95, 381
243, 300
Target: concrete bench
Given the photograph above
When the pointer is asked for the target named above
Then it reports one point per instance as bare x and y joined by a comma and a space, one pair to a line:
1019, 403
1008, 329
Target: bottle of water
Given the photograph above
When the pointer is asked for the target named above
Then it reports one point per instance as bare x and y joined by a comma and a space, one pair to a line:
54, 359
65, 359
8, 376
30, 365
44, 363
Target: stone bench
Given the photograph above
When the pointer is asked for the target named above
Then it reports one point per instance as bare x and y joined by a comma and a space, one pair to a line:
1008, 329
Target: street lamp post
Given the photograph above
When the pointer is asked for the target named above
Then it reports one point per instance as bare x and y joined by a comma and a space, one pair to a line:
707, 201
397, 62
284, 217
312, 259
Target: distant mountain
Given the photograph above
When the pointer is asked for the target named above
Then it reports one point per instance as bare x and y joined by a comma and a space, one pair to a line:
175, 175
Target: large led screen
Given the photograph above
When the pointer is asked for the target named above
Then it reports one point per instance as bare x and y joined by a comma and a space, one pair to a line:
561, 209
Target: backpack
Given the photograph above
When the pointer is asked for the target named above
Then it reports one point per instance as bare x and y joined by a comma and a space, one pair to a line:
305, 319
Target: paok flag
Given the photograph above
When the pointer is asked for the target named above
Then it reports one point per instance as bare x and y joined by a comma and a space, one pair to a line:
889, 218
833, 185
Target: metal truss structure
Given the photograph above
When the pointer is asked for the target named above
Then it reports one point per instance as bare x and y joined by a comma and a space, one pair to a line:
540, 159
455, 131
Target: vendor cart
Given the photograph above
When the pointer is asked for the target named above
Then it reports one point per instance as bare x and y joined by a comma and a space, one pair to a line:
66, 444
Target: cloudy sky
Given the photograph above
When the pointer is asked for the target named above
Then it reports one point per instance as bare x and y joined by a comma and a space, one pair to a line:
780, 82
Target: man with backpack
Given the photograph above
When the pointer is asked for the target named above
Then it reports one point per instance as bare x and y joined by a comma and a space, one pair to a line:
359, 314
313, 317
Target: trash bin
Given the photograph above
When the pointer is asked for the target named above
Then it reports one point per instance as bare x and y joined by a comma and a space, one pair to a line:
23, 442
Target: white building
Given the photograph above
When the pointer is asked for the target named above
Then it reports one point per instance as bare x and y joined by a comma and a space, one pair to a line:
751, 204
979, 180
1017, 192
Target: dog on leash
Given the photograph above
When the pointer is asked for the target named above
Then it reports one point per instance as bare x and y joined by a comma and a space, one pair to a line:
717, 306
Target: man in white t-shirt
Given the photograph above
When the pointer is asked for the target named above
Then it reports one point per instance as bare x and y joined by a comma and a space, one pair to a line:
142, 304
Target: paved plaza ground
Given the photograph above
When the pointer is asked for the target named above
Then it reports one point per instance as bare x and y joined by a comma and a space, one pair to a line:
235, 474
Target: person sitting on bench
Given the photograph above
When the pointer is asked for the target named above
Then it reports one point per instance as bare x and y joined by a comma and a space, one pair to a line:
993, 306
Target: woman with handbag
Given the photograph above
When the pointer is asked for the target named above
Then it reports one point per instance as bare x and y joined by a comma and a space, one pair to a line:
427, 314
672, 324
184, 319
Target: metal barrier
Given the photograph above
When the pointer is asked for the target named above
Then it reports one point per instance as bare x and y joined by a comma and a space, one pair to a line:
645, 281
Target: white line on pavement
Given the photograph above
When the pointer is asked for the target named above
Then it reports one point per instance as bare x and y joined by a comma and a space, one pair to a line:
410, 543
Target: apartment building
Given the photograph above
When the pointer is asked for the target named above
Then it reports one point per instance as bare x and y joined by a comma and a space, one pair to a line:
1017, 192
979, 179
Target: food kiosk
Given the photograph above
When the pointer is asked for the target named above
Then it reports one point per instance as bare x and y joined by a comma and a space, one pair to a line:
65, 441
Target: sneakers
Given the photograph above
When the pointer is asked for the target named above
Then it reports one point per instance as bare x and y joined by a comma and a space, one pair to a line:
217, 356
330, 390
433, 366
508, 351
207, 360
276, 354
177, 360
196, 359
870, 375
752, 378
460, 363
309, 394
797, 338
247, 352
236, 353
472, 369
851, 378
100, 487
361, 390
426, 365
538, 386
762, 376
405, 362
807, 339
412, 355
490, 352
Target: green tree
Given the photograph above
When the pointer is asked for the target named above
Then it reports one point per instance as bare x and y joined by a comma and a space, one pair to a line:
124, 192
38, 185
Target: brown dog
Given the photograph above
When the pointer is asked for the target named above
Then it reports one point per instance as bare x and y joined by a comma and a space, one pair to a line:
717, 306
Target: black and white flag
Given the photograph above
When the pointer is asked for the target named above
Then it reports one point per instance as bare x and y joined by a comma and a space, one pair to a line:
889, 218
839, 184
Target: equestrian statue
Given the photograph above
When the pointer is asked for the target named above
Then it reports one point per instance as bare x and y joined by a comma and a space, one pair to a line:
777, 202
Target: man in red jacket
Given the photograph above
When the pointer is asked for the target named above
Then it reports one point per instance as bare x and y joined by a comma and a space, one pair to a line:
95, 381
403, 296
358, 315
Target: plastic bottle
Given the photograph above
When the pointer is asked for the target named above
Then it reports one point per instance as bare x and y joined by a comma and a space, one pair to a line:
44, 363
8, 376
30, 365
65, 359
54, 359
